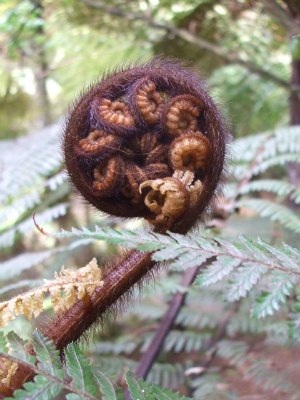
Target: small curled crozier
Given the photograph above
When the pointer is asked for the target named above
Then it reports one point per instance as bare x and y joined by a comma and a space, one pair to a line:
129, 135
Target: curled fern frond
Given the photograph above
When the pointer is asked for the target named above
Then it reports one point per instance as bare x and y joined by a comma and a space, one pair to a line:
142, 125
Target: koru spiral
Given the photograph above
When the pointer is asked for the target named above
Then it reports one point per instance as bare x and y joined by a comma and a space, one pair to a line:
147, 142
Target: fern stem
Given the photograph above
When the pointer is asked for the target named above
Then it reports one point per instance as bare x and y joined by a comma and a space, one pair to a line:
37, 371
120, 278
69, 326
166, 324
157, 342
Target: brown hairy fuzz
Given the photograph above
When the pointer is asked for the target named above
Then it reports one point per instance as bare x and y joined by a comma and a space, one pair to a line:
145, 142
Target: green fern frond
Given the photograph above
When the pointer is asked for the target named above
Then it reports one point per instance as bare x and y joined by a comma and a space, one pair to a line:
276, 186
260, 371
40, 388
173, 248
199, 317
141, 390
209, 387
16, 265
79, 368
273, 211
105, 385
165, 374
281, 286
47, 355
7, 238
265, 145
244, 279
185, 341
241, 171
36, 156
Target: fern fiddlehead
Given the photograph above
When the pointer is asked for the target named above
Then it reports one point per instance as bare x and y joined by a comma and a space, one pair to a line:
145, 124
145, 142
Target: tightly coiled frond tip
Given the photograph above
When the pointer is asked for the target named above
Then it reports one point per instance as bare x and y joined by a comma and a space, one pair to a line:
143, 124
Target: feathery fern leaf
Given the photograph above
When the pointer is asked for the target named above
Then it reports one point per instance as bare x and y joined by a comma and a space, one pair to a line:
79, 368
265, 150
39, 388
218, 270
242, 250
47, 355
276, 186
244, 279
16, 265
137, 388
207, 387
7, 238
273, 211
267, 303
16, 348
106, 387
140, 390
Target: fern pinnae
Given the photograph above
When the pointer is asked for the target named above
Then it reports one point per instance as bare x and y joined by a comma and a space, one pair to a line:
244, 250
276, 186
218, 270
268, 149
244, 279
47, 355
107, 389
274, 211
79, 368
7, 238
280, 287
50, 378
16, 265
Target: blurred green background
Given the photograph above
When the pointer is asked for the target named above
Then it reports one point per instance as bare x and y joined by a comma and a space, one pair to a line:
50, 50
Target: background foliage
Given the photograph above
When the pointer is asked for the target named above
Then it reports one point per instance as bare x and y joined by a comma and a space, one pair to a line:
238, 332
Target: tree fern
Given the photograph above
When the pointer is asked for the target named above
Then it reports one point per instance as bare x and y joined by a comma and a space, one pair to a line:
7, 238
243, 261
16, 265
78, 367
260, 371
172, 248
140, 390
269, 302
273, 211
264, 151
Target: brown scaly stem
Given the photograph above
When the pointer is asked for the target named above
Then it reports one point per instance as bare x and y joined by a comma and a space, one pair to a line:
69, 326
78, 319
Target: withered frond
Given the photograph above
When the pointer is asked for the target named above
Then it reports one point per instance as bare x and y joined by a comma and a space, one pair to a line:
64, 290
